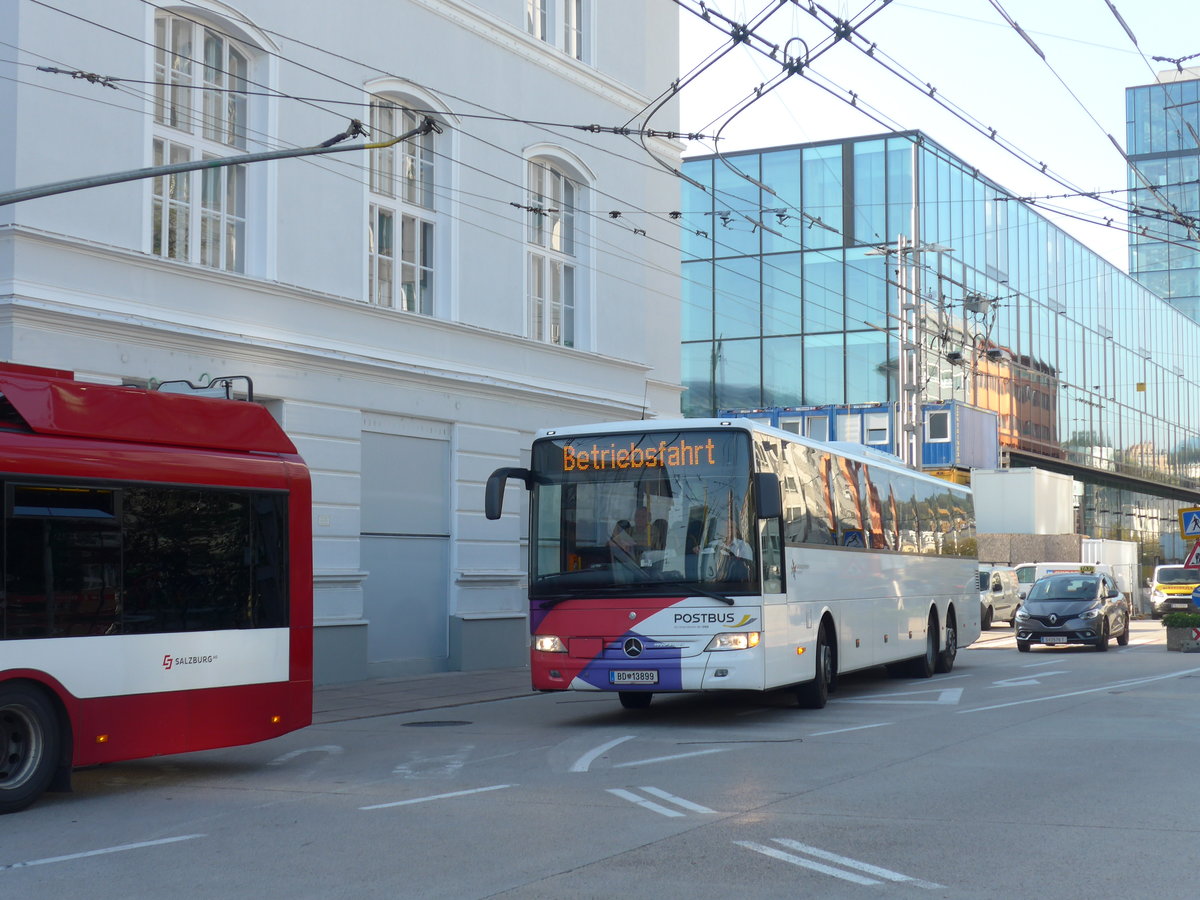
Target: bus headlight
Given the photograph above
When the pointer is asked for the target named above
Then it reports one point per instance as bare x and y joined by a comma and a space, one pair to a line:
549, 643
738, 641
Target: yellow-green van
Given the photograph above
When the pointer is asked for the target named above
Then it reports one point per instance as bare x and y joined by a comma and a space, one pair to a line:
1171, 589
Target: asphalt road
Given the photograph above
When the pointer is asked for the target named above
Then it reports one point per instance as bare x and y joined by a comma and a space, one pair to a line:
1060, 773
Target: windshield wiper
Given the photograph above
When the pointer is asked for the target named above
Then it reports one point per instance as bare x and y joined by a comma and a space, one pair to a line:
606, 589
691, 586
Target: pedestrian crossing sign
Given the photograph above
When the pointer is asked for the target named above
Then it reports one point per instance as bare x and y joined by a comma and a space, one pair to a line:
1189, 523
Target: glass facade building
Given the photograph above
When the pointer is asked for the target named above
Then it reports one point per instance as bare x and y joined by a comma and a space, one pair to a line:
1163, 140
802, 263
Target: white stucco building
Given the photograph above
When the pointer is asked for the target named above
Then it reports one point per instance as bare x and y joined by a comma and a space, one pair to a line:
410, 315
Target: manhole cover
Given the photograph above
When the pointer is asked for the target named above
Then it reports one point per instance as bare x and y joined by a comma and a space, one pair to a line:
435, 723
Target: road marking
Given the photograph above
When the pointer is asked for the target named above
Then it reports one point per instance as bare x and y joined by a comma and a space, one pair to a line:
643, 762
581, 764
806, 863
121, 849
657, 807
946, 697
844, 730
1107, 687
443, 766
1027, 679
1048, 662
678, 801
494, 787
331, 749
877, 871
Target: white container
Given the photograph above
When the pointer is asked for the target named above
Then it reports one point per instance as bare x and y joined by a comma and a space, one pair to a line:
1023, 501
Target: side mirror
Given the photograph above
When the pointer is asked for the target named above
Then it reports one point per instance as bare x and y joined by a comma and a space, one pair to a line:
767, 495
1021, 595
493, 497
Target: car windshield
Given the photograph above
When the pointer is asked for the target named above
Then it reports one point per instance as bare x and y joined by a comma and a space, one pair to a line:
1181, 575
1065, 587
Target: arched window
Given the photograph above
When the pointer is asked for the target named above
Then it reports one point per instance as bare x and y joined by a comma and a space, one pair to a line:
553, 282
402, 220
201, 111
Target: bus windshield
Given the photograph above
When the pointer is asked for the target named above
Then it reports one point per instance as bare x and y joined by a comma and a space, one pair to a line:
643, 513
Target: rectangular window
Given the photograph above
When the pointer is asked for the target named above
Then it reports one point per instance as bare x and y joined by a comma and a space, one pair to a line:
382, 250
937, 426
171, 208
83, 561
573, 28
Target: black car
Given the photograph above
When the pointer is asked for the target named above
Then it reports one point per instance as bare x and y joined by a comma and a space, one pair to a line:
1073, 608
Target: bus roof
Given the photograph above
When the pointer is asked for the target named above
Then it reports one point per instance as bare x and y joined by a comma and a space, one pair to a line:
52, 402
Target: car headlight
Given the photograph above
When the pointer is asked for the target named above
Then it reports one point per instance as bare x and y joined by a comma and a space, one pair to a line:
549, 643
1157, 596
1022, 614
738, 641
1092, 613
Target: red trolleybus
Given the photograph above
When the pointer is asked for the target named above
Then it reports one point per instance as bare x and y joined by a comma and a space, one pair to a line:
157, 594
702, 555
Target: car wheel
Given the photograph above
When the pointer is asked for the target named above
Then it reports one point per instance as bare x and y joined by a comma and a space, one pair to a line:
815, 694
1023, 646
635, 699
945, 660
987, 619
1102, 641
1123, 640
29, 745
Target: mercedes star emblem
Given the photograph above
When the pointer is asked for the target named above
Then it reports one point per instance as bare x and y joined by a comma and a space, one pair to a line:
633, 647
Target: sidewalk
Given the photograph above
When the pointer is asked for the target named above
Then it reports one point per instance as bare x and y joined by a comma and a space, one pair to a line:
391, 696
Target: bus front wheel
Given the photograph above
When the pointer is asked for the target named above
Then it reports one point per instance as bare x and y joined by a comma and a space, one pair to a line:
815, 694
29, 739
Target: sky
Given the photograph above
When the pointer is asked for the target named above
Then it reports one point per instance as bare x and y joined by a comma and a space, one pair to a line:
1059, 111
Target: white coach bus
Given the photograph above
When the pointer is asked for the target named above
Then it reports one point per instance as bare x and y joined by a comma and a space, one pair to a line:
700, 555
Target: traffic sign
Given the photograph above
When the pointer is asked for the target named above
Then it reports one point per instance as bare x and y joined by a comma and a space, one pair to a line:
1196, 596
1193, 557
1189, 523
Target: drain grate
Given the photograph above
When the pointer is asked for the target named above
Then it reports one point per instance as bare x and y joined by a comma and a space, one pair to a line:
436, 723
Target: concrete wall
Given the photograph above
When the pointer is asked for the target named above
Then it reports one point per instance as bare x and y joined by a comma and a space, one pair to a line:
1013, 549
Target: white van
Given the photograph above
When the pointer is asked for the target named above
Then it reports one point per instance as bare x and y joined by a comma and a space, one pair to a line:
1000, 594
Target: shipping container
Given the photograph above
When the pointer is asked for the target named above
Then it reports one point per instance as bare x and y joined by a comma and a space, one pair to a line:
954, 436
1023, 501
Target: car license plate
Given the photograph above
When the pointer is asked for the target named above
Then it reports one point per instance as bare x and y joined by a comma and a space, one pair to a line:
1179, 606
1054, 640
633, 676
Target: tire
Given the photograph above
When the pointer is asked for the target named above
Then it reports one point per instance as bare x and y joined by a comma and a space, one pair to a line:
29, 745
635, 699
925, 665
1102, 641
815, 694
1123, 640
1023, 646
945, 659
987, 619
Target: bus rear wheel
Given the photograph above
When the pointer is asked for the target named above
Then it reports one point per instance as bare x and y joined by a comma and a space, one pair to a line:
945, 660
635, 699
29, 742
